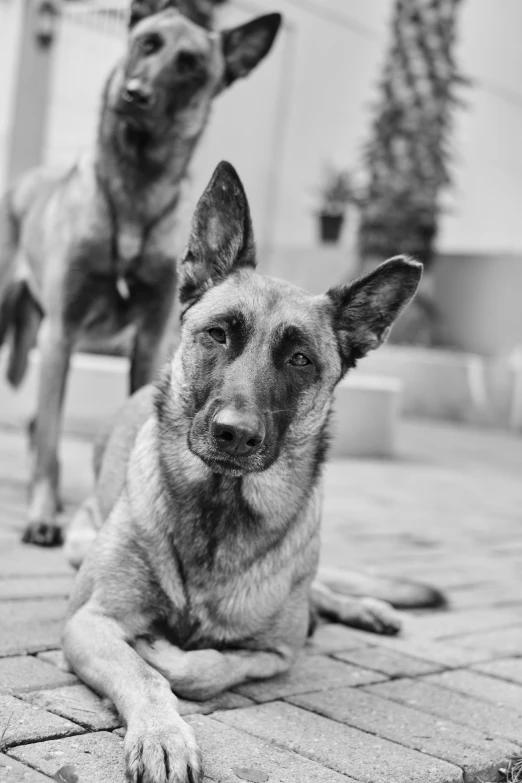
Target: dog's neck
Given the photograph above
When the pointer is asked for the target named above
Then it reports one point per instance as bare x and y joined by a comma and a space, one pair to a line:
142, 169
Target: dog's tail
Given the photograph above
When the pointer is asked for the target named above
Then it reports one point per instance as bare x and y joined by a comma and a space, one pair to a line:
400, 593
20, 310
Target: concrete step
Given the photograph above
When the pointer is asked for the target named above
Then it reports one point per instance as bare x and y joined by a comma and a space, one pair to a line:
364, 421
452, 385
365, 417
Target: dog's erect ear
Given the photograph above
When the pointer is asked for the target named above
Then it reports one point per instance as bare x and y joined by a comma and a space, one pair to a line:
221, 237
245, 46
365, 310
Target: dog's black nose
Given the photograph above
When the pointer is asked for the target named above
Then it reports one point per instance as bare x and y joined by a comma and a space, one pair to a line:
137, 93
237, 432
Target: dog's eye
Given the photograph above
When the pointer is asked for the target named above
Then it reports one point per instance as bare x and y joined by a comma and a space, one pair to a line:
299, 360
151, 44
186, 62
218, 335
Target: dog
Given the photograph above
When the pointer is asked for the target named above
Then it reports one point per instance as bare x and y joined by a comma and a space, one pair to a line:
199, 570
92, 252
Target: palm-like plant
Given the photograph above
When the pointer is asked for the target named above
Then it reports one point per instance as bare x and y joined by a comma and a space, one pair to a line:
408, 155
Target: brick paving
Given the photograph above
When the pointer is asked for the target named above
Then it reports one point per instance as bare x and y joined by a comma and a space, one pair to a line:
440, 703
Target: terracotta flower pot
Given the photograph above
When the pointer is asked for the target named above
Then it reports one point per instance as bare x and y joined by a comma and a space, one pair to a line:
330, 227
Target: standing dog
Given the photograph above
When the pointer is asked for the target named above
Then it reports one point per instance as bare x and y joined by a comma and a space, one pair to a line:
93, 250
209, 493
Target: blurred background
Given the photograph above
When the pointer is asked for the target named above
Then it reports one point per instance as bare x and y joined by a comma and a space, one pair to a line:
372, 128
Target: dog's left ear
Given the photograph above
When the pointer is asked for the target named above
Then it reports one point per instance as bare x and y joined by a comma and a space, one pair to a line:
245, 46
365, 310
221, 236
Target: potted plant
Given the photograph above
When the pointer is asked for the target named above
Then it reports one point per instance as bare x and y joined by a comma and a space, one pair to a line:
336, 193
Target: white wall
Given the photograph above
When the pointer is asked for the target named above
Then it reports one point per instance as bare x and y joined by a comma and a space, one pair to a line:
10, 19
487, 201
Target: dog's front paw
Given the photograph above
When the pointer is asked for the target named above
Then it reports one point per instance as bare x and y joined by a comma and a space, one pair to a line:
162, 750
43, 534
375, 616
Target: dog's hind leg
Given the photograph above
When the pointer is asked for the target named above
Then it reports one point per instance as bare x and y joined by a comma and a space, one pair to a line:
368, 614
82, 531
55, 351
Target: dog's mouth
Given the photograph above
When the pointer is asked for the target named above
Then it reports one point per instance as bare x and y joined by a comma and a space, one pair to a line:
233, 442
133, 113
228, 466
137, 111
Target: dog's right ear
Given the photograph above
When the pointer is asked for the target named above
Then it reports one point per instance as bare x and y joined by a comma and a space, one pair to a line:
221, 236
365, 310
245, 46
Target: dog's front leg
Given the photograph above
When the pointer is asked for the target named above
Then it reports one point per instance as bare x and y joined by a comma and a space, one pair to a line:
203, 674
159, 746
55, 352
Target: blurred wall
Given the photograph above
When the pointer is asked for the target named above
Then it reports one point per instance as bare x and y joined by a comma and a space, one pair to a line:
486, 204
308, 103
10, 21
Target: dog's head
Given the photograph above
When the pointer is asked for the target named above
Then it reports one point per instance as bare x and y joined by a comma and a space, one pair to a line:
174, 67
259, 358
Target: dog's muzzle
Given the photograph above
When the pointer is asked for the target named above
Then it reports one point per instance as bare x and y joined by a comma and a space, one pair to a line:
237, 433
137, 95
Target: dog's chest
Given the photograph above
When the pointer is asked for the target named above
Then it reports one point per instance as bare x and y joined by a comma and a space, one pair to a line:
225, 569
237, 592
230, 611
104, 301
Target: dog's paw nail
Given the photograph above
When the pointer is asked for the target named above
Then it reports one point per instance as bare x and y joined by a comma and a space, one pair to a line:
381, 617
163, 754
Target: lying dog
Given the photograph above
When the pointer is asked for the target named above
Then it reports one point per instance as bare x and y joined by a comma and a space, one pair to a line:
94, 249
208, 494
